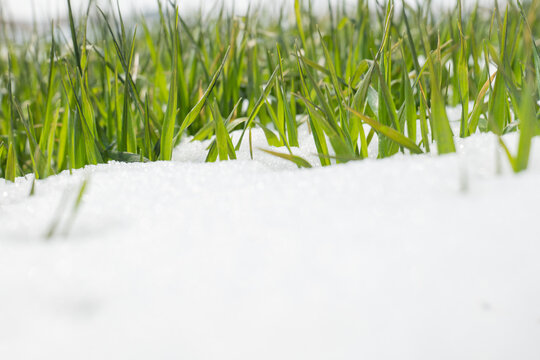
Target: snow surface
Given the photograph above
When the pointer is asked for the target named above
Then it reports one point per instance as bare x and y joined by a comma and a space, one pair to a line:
412, 257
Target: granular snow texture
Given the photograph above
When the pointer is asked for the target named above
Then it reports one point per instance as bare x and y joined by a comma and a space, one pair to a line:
412, 257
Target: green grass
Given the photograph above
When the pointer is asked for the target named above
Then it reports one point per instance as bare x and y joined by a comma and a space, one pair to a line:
108, 88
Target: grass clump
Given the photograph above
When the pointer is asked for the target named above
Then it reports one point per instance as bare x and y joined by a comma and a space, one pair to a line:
104, 88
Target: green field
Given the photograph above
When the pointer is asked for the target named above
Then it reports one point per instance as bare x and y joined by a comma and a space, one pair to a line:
112, 88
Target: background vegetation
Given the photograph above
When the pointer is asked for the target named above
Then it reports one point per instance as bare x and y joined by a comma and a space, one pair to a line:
107, 88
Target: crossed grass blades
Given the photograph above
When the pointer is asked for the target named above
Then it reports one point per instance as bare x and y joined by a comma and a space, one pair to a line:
106, 88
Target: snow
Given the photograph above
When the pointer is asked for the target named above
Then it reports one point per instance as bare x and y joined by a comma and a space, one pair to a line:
412, 257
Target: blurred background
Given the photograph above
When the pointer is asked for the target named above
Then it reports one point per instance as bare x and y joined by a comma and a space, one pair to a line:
25, 10
44, 10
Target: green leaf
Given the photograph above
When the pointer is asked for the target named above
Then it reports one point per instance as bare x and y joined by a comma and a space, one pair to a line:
298, 14
442, 132
300, 162
528, 125
387, 131
258, 106
11, 166
223, 140
169, 121
192, 115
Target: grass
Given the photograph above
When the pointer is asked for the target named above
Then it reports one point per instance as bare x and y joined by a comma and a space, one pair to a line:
107, 88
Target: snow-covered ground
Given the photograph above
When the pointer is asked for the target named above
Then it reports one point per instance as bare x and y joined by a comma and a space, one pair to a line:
410, 258
413, 257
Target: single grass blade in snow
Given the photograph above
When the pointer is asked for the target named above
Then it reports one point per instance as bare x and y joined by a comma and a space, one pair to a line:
169, 121
477, 109
52, 112
442, 132
11, 166
76, 207
528, 126
300, 162
57, 220
223, 140
497, 113
410, 105
285, 106
463, 76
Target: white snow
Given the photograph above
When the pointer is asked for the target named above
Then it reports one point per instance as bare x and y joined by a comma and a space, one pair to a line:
412, 257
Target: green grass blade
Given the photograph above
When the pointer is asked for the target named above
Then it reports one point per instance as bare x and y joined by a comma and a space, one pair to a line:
258, 105
387, 131
300, 162
11, 165
528, 127
194, 112
169, 121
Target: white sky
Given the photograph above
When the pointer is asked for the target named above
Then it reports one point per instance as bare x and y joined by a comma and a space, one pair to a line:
23, 9
47, 9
